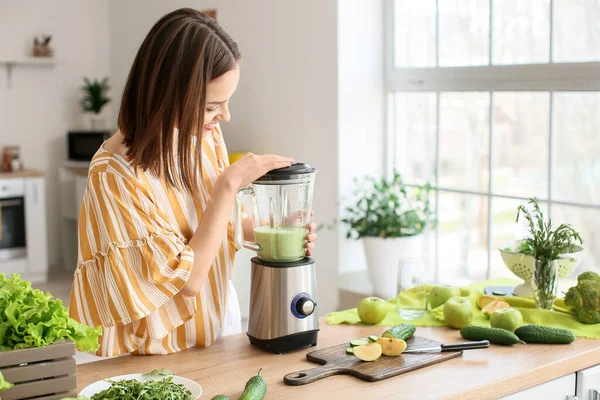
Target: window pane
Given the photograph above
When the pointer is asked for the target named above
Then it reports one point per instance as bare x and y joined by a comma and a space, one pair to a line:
414, 128
576, 147
464, 140
414, 33
521, 31
504, 229
585, 221
521, 123
576, 30
462, 238
464, 32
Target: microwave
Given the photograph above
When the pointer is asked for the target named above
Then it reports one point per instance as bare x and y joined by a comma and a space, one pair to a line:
82, 145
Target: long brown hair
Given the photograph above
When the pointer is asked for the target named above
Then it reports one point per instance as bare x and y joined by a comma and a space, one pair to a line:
166, 89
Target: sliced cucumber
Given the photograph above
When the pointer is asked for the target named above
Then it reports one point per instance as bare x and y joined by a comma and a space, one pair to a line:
349, 350
364, 338
358, 342
373, 338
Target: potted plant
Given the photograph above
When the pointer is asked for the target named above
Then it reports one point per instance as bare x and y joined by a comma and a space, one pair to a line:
94, 100
546, 245
390, 220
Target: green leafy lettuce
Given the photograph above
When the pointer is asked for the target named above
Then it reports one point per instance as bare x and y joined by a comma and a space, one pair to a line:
31, 318
4, 384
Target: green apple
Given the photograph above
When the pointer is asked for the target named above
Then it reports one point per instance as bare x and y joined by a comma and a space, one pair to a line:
372, 310
507, 318
458, 312
440, 294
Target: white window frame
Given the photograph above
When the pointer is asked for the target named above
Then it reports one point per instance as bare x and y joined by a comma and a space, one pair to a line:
544, 77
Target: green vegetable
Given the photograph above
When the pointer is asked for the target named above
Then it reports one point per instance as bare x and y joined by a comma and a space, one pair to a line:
220, 397
493, 335
255, 389
30, 318
402, 331
358, 342
4, 385
373, 338
584, 299
159, 372
349, 350
131, 389
545, 334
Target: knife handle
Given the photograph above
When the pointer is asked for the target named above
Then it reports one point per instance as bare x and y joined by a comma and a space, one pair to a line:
482, 344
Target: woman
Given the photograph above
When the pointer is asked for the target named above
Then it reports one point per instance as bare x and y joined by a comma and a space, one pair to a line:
156, 245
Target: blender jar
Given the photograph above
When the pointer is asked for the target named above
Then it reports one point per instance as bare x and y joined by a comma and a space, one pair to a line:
281, 208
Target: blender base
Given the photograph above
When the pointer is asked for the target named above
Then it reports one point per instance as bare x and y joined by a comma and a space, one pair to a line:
286, 343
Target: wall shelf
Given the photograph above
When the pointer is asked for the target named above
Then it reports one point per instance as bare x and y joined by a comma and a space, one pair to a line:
11, 63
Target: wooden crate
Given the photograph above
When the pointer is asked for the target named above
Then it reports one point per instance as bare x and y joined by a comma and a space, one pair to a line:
45, 373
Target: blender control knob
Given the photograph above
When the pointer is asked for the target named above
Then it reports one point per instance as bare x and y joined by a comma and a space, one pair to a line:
305, 306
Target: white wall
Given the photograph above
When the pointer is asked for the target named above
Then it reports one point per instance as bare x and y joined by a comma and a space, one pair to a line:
44, 102
361, 108
286, 102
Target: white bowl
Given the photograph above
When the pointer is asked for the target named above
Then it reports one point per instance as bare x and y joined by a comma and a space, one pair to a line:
99, 386
522, 265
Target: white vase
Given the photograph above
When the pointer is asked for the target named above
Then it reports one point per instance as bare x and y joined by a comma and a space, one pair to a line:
382, 260
95, 121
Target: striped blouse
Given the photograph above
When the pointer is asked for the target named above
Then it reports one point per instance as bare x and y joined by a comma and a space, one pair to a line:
134, 259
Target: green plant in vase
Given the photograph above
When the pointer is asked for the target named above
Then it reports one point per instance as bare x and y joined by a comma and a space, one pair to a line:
389, 219
95, 97
546, 244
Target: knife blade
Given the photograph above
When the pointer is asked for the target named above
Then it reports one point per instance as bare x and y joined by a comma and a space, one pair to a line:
482, 344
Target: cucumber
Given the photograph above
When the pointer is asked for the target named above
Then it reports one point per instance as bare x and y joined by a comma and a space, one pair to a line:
255, 389
373, 338
349, 350
545, 334
358, 342
403, 331
493, 335
364, 339
220, 397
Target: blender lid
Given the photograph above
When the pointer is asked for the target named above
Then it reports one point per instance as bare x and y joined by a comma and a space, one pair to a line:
293, 172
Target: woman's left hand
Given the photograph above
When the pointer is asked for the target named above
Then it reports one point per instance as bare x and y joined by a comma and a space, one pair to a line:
310, 238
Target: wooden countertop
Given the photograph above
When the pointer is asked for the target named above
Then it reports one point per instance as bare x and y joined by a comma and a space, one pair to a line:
224, 368
26, 173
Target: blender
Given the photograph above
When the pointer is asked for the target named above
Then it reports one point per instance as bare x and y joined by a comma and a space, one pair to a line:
283, 313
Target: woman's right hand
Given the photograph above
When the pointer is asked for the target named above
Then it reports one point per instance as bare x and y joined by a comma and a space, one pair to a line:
251, 167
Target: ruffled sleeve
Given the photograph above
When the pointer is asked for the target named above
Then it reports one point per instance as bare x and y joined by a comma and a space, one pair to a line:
131, 266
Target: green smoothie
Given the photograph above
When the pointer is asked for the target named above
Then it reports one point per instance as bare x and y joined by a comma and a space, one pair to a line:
281, 244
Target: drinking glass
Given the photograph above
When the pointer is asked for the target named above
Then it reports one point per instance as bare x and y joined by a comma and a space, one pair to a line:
411, 294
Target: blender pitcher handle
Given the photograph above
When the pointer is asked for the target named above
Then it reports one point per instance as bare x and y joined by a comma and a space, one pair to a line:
239, 230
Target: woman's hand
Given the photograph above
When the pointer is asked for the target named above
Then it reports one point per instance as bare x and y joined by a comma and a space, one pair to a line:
310, 238
251, 167
295, 219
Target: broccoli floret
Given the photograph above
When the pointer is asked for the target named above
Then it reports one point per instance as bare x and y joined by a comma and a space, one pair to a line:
588, 275
584, 299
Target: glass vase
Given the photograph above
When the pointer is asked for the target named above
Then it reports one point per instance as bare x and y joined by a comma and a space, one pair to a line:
544, 283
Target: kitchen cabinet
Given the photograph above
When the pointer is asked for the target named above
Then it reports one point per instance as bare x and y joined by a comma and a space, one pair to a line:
23, 210
36, 230
557, 389
588, 384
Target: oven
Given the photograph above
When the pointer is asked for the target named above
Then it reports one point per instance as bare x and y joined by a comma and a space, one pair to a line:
12, 213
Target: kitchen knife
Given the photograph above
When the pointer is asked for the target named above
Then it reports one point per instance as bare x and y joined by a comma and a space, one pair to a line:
482, 344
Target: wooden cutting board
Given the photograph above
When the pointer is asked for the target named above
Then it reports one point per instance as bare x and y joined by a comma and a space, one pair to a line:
335, 361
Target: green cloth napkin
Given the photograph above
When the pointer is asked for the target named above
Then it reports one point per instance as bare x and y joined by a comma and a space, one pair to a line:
560, 317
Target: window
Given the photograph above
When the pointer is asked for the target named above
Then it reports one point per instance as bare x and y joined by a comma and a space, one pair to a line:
494, 102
